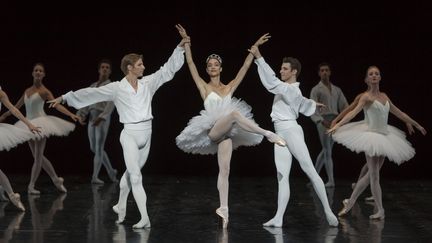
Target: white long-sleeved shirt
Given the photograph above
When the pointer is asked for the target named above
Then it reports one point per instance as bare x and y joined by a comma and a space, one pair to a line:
288, 101
132, 107
105, 108
334, 100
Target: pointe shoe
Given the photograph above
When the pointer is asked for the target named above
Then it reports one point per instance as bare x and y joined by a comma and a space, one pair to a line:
120, 212
223, 213
113, 176
15, 198
276, 139
59, 184
97, 181
345, 209
32, 191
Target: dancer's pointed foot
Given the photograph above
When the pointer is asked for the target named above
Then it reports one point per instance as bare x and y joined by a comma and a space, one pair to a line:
113, 175
143, 223
276, 139
332, 220
97, 181
273, 223
31, 190
345, 208
378, 216
330, 184
223, 213
15, 198
120, 212
59, 184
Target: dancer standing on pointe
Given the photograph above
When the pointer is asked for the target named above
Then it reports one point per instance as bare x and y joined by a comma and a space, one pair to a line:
226, 122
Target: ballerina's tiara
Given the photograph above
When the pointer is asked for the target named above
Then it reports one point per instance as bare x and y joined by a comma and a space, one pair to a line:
214, 56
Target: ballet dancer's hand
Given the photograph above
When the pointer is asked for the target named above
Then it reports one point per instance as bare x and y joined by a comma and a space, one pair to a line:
183, 34
320, 106
263, 39
76, 118
410, 128
53, 103
34, 129
421, 129
333, 129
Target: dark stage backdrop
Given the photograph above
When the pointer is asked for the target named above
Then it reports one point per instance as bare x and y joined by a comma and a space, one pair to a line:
71, 39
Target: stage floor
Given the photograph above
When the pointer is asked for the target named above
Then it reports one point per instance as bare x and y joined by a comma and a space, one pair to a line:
181, 209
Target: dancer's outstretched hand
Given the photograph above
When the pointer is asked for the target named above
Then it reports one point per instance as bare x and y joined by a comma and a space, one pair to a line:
53, 103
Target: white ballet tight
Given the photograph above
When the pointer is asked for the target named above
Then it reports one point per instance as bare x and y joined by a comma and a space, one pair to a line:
135, 142
37, 148
325, 156
372, 176
293, 135
5, 184
97, 137
218, 134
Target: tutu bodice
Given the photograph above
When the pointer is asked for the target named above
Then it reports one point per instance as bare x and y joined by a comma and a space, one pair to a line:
213, 99
376, 116
34, 106
50, 125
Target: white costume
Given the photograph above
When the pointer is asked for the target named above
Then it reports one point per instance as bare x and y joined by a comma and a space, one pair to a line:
335, 102
194, 138
97, 134
11, 136
287, 104
374, 136
50, 125
134, 109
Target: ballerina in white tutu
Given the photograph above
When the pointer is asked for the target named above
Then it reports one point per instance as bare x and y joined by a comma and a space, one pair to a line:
10, 136
375, 138
34, 99
226, 122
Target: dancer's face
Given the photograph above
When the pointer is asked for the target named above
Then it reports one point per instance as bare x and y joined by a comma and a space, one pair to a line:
105, 69
138, 68
38, 72
324, 73
214, 67
287, 72
373, 75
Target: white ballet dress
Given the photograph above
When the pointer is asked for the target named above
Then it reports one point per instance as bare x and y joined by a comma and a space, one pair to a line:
50, 125
11, 136
194, 138
374, 136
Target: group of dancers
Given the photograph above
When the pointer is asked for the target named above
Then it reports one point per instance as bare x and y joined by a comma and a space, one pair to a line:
224, 124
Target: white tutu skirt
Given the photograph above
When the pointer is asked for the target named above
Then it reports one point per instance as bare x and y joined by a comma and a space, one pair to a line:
50, 126
194, 138
358, 138
11, 136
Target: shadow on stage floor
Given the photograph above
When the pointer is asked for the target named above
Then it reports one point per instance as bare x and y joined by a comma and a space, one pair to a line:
181, 209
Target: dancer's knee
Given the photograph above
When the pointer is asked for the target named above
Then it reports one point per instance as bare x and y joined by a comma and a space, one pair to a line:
135, 179
224, 171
